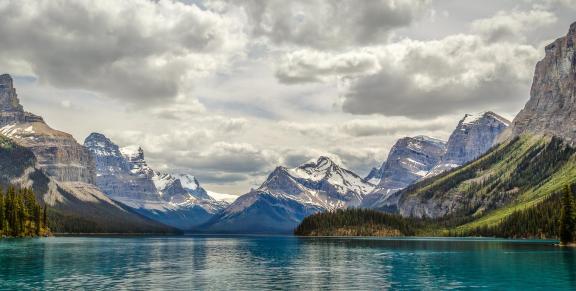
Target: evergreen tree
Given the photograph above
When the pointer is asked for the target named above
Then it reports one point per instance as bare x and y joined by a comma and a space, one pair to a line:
37, 222
567, 220
44, 216
2, 216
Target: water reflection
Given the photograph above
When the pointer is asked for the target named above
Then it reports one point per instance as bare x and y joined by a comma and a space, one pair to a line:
258, 262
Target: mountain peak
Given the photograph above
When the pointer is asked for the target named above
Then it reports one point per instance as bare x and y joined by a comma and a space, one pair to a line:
469, 119
8, 98
551, 109
6, 81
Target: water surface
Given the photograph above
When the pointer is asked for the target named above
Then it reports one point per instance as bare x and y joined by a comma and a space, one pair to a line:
276, 262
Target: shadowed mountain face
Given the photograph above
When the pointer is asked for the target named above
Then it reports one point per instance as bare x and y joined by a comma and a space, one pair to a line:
552, 105
289, 195
124, 175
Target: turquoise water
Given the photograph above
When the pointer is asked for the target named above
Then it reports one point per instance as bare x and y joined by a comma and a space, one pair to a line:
260, 262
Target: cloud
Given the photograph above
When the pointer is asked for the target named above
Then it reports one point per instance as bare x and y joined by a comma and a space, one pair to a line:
140, 51
512, 26
434, 78
225, 157
366, 127
304, 66
327, 24
554, 3
423, 79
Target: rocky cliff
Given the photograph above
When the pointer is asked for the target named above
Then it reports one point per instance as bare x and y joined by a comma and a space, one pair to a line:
410, 159
474, 136
552, 105
57, 153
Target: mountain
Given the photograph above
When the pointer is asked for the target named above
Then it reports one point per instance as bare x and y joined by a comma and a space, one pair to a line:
124, 175
57, 152
474, 136
417, 158
410, 159
551, 109
289, 195
61, 171
534, 161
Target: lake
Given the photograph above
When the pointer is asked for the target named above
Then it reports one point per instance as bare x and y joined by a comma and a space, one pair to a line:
282, 262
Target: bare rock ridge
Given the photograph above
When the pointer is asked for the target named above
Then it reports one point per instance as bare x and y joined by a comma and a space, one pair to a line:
57, 153
552, 106
474, 136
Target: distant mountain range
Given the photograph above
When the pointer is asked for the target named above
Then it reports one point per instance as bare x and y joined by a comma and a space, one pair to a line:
289, 195
123, 176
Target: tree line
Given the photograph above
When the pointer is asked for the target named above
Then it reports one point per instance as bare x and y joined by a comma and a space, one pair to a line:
21, 214
553, 218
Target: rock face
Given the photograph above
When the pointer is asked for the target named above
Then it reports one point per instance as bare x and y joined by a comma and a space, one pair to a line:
474, 136
410, 159
124, 175
57, 153
117, 176
289, 195
552, 105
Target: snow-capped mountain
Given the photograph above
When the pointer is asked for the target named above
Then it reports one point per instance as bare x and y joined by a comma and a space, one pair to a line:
410, 159
289, 195
124, 175
474, 135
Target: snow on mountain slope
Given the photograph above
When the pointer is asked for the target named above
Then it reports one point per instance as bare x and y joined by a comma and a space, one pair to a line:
229, 198
289, 195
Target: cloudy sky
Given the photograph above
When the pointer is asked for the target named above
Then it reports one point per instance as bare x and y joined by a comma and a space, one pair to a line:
227, 90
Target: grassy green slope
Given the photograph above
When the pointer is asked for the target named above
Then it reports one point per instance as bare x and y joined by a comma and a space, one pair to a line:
512, 177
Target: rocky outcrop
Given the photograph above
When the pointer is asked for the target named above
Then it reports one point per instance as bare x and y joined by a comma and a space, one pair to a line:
474, 136
57, 153
551, 109
118, 177
410, 159
289, 195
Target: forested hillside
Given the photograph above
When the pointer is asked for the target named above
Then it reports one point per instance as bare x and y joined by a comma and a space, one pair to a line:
21, 214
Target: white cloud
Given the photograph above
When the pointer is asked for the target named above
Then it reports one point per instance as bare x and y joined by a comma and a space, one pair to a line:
327, 24
303, 66
512, 26
140, 51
